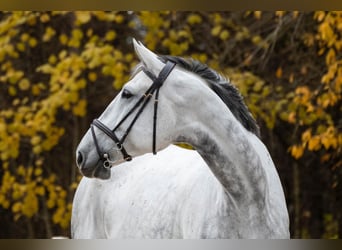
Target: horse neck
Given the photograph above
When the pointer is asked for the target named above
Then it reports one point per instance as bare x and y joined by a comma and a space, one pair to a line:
228, 149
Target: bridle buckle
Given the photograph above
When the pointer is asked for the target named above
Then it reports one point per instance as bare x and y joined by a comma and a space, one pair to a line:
119, 146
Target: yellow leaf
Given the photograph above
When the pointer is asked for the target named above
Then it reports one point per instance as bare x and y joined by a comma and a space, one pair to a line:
30, 205
6, 204
21, 170
257, 14
321, 51
107, 70
39, 162
44, 18
309, 108
74, 185
326, 142
63, 194
24, 37
12, 91
38, 171
306, 135
16, 102
319, 15
35, 140
92, 76
297, 151
24, 84
314, 143
16, 207
119, 18
62, 54
52, 59
89, 32
330, 57
32, 42
80, 108
292, 117
83, 16
303, 93
326, 32
110, 35
73, 96
63, 39
21, 46
279, 72
40, 190
16, 195
224, 35
45, 68
194, 19
37, 149
216, 30
329, 141
50, 203
49, 33
258, 86
35, 90
77, 33
256, 39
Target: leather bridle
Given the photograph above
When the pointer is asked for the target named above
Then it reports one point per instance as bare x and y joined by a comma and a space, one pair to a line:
142, 102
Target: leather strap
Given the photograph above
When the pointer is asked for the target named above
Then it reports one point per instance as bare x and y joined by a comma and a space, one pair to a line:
110, 134
157, 83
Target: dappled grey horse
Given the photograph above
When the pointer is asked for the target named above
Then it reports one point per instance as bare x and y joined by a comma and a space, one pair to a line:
227, 188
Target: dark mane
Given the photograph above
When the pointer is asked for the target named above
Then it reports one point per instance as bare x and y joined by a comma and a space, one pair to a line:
228, 93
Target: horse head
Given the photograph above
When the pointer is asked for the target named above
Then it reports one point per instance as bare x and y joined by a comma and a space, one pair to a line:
141, 118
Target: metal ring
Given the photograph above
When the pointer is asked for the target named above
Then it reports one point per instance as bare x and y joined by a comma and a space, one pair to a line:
106, 164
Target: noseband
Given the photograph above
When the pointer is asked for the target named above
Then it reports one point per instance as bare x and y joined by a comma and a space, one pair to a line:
142, 102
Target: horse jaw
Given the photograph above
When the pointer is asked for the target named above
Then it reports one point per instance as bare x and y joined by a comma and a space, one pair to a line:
147, 57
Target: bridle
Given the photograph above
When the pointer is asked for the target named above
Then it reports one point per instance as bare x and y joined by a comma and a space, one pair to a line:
142, 102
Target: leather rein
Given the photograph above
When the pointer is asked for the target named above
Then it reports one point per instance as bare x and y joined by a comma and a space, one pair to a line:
141, 104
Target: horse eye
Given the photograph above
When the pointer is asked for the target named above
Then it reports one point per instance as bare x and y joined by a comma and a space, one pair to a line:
126, 94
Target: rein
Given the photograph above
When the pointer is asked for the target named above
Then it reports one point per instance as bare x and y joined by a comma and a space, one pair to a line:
142, 102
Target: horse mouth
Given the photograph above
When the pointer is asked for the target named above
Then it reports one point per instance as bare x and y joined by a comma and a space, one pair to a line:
99, 172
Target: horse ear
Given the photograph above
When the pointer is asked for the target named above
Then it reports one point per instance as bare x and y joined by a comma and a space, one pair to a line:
147, 57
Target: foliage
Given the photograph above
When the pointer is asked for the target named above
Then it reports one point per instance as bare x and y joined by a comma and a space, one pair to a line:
45, 70
312, 106
59, 69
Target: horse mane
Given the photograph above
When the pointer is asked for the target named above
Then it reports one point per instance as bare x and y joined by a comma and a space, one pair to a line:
228, 93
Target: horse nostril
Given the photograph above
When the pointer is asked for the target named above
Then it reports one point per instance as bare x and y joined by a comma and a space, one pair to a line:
79, 159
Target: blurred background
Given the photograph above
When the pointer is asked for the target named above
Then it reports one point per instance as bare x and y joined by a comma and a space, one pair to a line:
59, 70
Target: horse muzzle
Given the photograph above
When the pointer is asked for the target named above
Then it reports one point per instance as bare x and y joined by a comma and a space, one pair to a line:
92, 169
